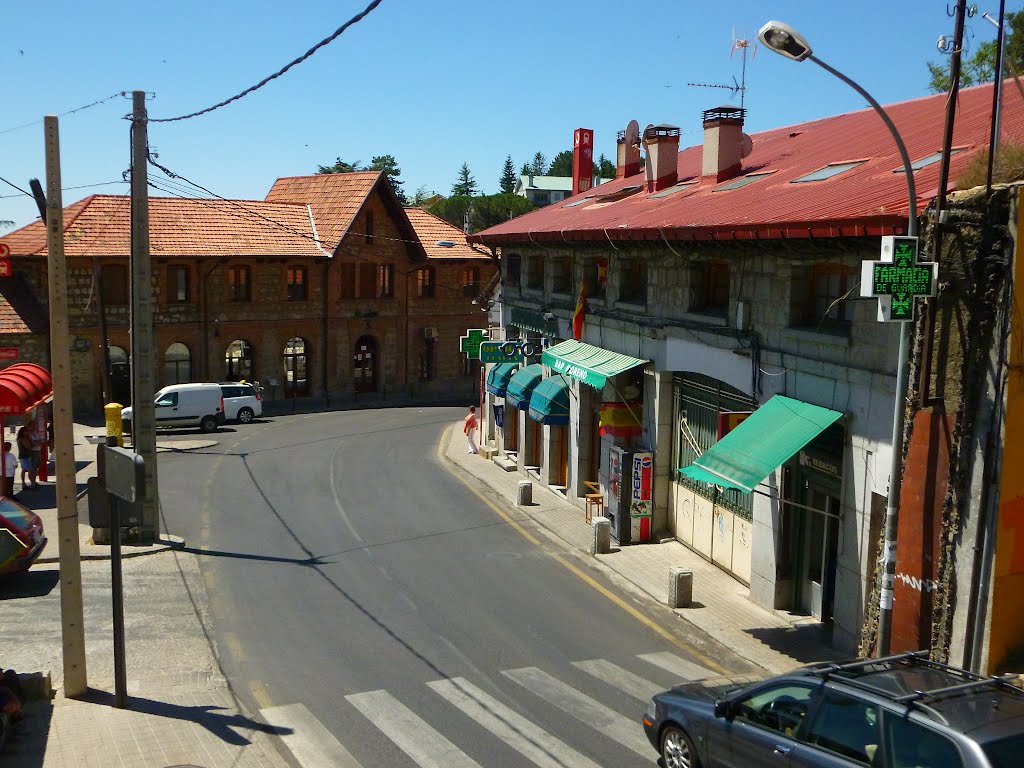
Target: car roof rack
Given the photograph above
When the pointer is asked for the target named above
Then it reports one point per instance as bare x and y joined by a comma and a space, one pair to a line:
827, 669
998, 680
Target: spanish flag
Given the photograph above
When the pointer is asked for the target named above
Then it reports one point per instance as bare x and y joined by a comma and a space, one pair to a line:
579, 313
621, 419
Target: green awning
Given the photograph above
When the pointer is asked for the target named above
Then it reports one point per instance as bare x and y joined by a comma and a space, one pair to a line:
761, 443
521, 385
499, 376
549, 403
591, 365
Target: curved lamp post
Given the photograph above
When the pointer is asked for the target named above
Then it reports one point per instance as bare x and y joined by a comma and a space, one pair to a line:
786, 41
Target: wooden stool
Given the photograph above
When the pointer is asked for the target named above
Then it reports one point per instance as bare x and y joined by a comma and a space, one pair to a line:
593, 501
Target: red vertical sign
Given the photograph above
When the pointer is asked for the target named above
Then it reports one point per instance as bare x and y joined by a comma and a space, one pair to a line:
582, 160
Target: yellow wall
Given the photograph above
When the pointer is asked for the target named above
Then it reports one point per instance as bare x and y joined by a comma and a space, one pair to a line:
1007, 618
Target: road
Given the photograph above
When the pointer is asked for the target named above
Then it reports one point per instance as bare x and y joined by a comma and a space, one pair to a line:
357, 584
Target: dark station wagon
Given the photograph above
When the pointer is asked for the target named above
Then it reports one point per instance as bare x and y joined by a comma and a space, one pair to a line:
902, 711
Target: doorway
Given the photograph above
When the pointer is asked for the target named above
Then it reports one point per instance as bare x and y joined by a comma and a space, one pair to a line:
559, 475
510, 430
364, 365
531, 444
817, 547
120, 377
296, 380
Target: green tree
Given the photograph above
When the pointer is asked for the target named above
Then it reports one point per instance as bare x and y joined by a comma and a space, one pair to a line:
466, 185
421, 196
508, 179
389, 166
561, 165
484, 211
604, 168
526, 170
340, 166
981, 67
539, 166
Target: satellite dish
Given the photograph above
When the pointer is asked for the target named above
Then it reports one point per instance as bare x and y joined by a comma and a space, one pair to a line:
746, 145
632, 137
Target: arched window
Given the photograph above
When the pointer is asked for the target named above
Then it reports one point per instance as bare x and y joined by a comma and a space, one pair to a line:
177, 364
296, 379
238, 361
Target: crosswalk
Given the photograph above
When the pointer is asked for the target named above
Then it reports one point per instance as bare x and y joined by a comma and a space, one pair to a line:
419, 736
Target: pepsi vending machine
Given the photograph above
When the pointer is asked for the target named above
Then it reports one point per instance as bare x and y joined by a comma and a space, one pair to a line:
630, 494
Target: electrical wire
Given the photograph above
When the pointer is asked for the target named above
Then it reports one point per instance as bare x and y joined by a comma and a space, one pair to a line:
65, 114
66, 189
354, 20
15, 186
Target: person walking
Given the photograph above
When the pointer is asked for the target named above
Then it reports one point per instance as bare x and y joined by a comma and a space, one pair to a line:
470, 429
10, 470
25, 454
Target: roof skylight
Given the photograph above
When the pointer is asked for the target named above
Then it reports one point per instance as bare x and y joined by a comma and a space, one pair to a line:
742, 181
931, 159
830, 170
607, 197
679, 187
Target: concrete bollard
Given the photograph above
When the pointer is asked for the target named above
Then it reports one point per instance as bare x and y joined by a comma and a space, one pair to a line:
525, 497
602, 541
680, 588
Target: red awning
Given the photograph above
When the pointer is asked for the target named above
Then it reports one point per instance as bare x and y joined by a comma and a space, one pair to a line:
23, 386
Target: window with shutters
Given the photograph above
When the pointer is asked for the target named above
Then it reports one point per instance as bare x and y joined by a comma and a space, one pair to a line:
177, 284
425, 283
385, 281
114, 284
471, 282
347, 273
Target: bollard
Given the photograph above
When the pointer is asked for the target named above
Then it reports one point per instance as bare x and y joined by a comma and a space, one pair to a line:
680, 588
525, 497
112, 414
602, 541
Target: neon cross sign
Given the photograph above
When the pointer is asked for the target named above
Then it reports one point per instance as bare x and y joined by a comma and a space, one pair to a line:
898, 278
470, 343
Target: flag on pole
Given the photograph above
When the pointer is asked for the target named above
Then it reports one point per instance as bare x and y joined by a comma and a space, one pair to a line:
579, 313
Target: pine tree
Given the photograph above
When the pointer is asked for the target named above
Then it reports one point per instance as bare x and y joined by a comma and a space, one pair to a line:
508, 179
466, 185
539, 166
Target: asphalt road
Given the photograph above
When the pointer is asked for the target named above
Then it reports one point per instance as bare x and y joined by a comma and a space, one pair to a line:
349, 570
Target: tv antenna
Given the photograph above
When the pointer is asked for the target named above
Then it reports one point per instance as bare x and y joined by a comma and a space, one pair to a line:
738, 44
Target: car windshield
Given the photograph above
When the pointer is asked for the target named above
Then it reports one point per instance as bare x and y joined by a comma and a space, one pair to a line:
1004, 753
18, 516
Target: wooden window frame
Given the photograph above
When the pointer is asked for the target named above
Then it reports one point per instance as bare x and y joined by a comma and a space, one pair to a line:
841, 307
173, 271
115, 290
297, 290
426, 282
239, 290
469, 279
348, 280
385, 282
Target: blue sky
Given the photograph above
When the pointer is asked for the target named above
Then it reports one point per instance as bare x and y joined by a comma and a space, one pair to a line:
433, 83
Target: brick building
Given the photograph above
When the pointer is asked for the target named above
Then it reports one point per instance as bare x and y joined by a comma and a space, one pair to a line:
327, 286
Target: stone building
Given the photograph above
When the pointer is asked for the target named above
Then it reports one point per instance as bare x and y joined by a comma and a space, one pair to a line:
723, 309
329, 287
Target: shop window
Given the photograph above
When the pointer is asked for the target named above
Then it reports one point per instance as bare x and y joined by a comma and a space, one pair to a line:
535, 272
633, 282
239, 284
513, 270
470, 282
347, 280
177, 284
114, 284
561, 275
821, 296
709, 288
425, 283
297, 283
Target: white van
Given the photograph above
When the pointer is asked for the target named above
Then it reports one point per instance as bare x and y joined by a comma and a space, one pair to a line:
185, 405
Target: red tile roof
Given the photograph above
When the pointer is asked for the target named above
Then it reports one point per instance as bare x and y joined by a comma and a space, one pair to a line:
431, 230
99, 225
20, 311
867, 199
335, 198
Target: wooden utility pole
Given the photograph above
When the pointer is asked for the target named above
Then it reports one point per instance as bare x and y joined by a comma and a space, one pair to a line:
143, 357
72, 622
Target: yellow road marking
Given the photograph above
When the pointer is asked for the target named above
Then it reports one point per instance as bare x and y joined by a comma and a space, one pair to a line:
235, 647
586, 578
261, 694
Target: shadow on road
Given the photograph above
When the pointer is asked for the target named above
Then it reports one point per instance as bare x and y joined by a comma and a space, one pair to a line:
28, 584
312, 560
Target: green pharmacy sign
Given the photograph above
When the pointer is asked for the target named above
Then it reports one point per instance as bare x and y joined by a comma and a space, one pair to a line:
470, 343
898, 278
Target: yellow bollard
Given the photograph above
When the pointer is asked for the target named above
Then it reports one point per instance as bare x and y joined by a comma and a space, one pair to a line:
112, 413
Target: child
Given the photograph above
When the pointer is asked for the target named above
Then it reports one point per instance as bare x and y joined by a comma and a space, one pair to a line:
10, 470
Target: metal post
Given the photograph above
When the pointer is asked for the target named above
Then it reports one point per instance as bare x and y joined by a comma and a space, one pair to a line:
72, 619
117, 599
892, 509
143, 357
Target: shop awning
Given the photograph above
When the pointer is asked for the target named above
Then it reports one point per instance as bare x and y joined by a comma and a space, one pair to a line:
549, 403
591, 365
499, 376
23, 386
761, 443
521, 385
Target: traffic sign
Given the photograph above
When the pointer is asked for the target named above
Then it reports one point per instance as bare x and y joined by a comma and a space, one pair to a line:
898, 278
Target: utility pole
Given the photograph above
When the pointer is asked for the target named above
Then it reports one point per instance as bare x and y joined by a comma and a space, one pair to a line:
143, 358
72, 620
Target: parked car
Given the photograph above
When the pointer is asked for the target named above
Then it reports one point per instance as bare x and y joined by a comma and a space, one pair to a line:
902, 711
185, 405
243, 402
21, 537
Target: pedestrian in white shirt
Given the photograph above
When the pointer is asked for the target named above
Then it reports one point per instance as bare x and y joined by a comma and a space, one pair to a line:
10, 470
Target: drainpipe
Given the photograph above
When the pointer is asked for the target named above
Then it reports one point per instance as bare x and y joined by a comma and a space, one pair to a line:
323, 335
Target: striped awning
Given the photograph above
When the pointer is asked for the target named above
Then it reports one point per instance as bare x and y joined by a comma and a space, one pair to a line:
521, 385
591, 365
499, 376
549, 403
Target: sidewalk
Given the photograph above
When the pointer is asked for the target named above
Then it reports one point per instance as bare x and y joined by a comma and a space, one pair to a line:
773, 640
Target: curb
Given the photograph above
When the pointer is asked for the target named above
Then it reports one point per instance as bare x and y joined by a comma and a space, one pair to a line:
37, 686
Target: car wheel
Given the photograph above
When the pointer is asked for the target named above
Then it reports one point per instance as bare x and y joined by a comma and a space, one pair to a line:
245, 416
208, 424
677, 750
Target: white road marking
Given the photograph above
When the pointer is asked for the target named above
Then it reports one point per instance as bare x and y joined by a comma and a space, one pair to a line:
636, 686
312, 745
527, 739
677, 665
624, 730
415, 737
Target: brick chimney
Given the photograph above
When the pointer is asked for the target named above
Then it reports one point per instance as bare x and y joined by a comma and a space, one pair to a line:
723, 143
662, 143
627, 151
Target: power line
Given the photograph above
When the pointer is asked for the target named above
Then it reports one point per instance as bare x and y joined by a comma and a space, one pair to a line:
78, 186
15, 186
354, 20
65, 114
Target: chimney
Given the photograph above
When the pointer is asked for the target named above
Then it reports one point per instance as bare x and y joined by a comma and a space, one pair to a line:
723, 143
582, 160
627, 151
662, 143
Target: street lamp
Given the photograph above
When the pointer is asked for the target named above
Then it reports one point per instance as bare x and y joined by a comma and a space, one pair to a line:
786, 41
